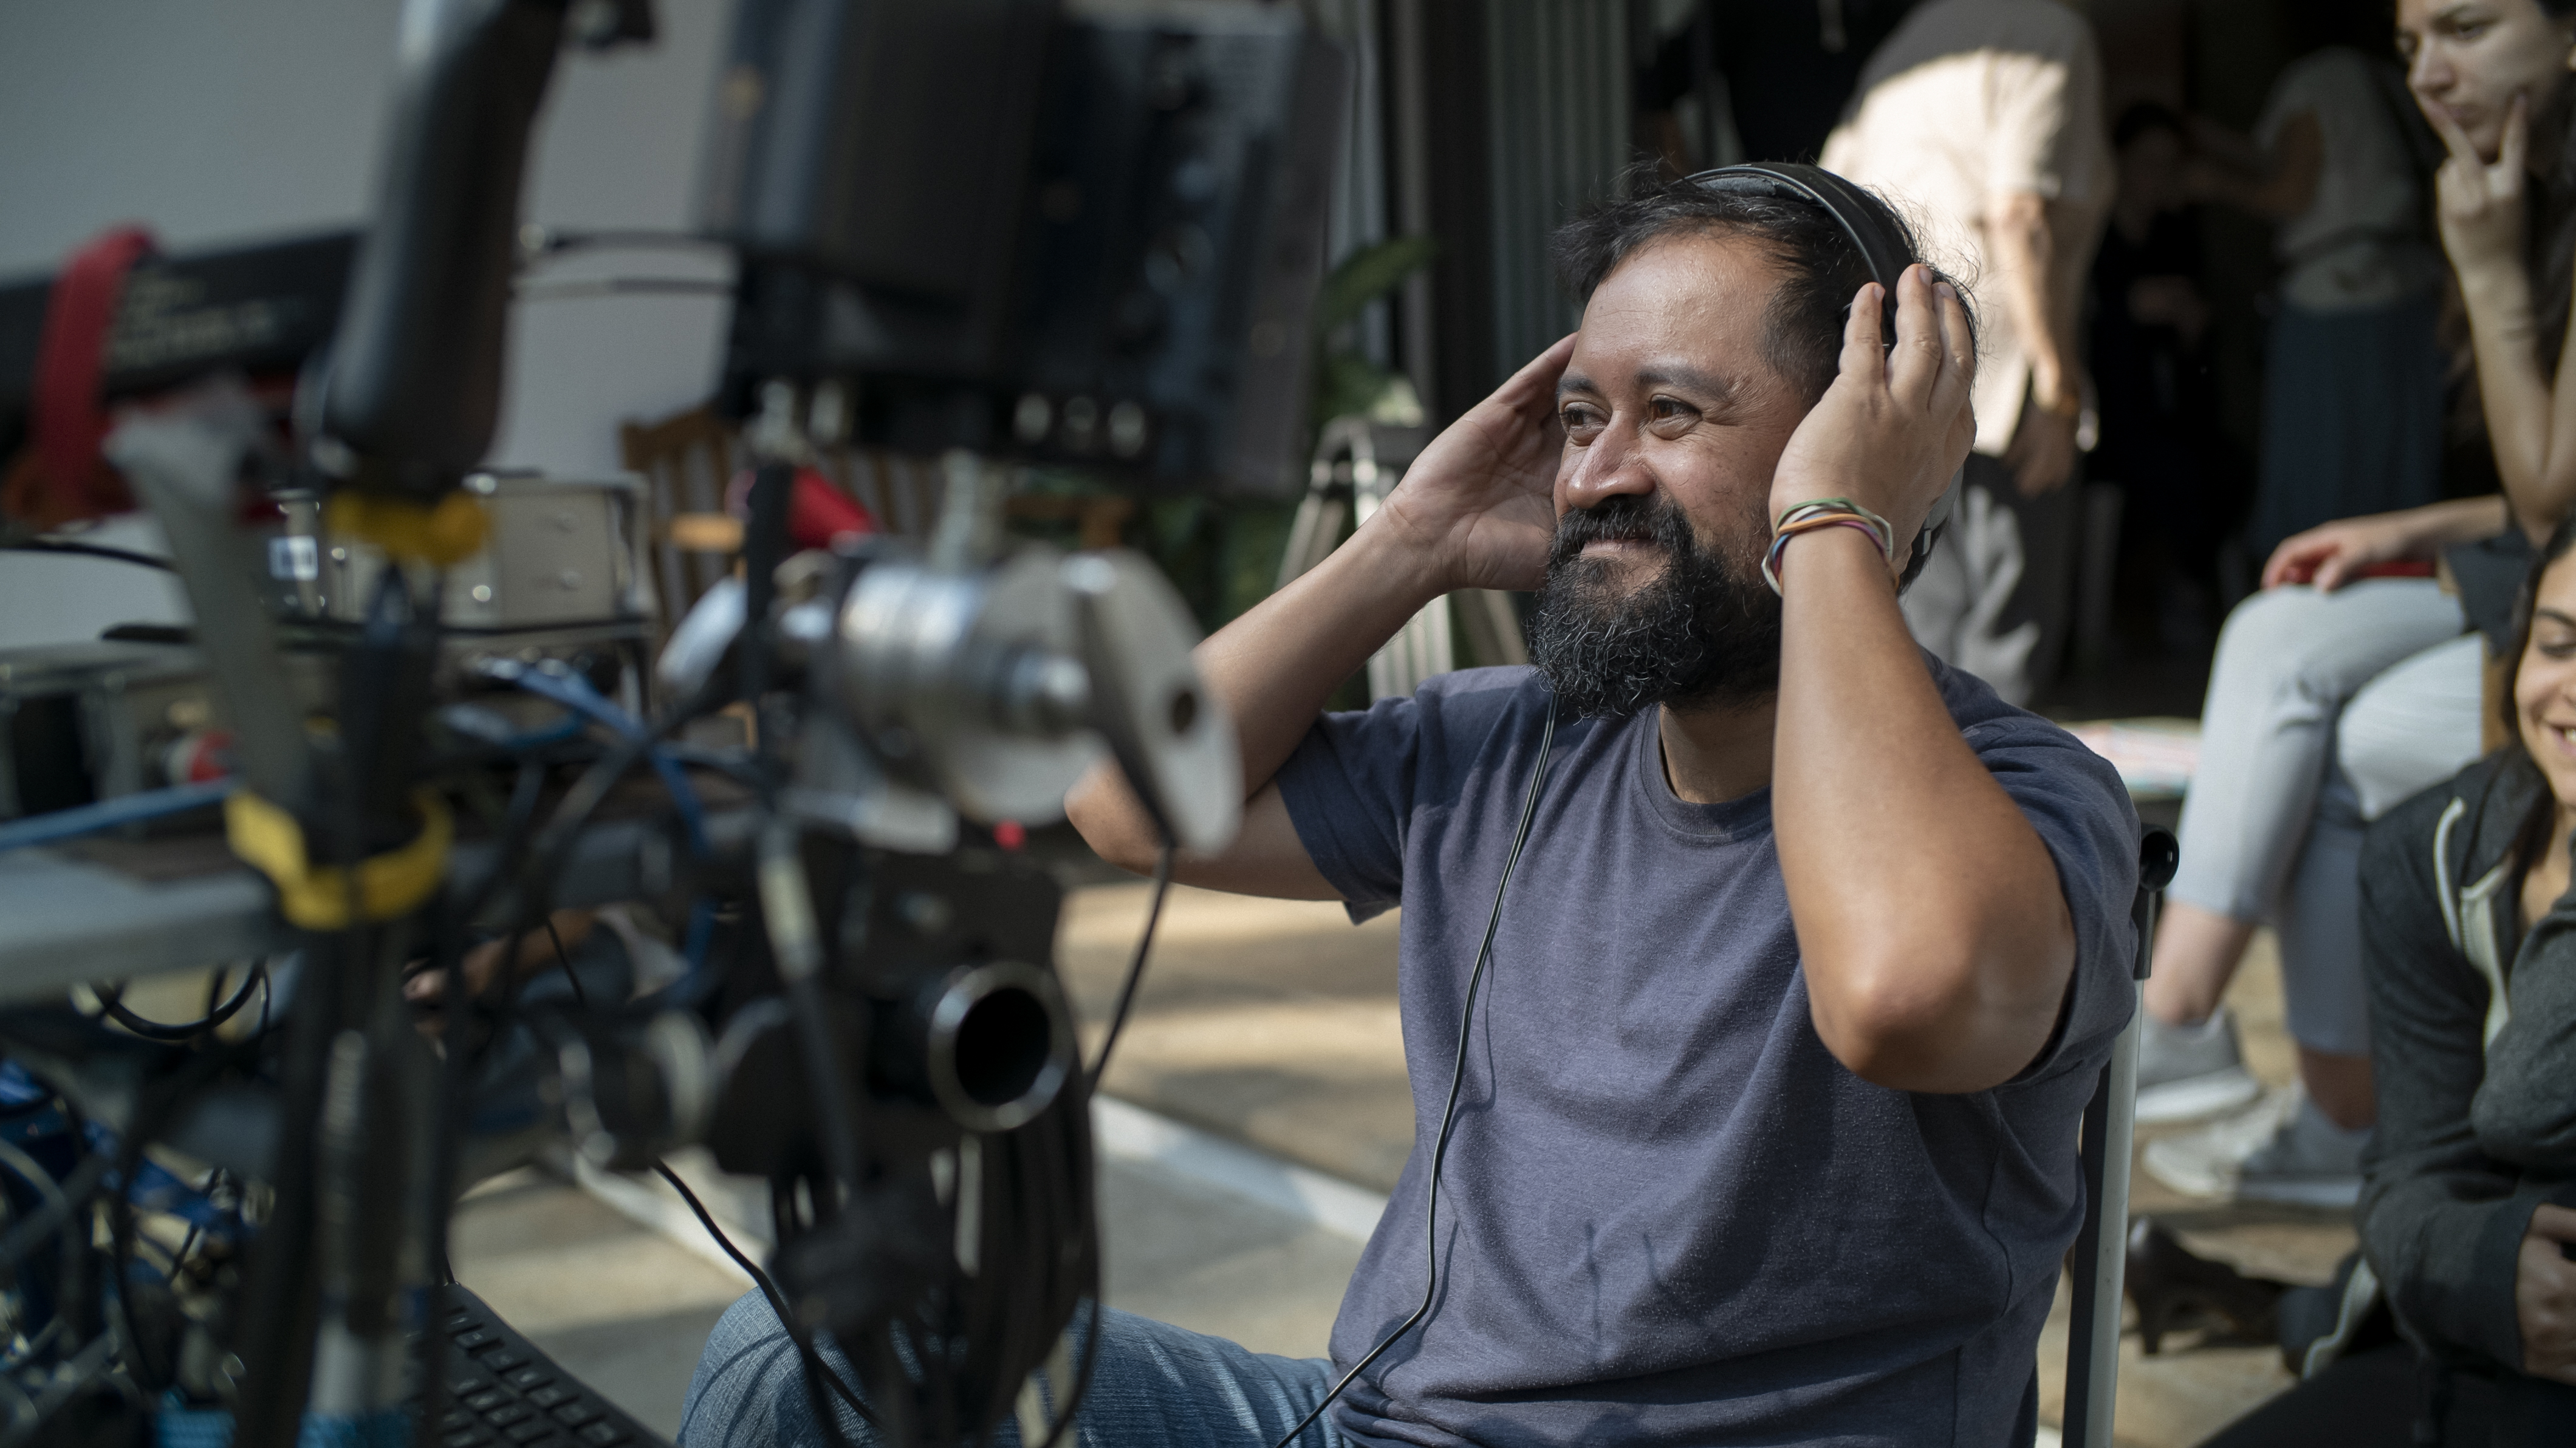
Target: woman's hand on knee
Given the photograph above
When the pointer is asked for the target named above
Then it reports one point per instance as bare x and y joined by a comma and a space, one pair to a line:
2331, 555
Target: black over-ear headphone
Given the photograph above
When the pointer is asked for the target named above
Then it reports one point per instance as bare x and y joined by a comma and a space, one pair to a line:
1872, 230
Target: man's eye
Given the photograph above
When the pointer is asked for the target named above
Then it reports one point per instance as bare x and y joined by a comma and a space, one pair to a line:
1580, 419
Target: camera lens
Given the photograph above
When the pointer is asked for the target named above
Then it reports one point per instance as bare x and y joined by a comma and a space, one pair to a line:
1000, 1044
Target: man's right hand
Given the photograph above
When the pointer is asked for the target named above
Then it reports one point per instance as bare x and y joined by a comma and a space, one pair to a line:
1479, 504
1476, 510
2544, 1295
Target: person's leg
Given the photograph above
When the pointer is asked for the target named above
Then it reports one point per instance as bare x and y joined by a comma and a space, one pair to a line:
1957, 607
2287, 661
2405, 731
2368, 1400
1153, 1386
2326, 1003
2042, 603
2196, 955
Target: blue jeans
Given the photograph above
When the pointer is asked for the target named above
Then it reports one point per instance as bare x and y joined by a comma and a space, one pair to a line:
1153, 1386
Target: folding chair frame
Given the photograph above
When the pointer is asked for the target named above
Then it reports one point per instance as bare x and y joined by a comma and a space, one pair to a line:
2110, 1127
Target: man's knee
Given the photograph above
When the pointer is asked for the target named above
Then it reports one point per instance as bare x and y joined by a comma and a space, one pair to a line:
747, 1389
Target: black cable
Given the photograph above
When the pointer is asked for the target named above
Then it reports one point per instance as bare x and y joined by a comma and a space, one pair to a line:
1135, 964
563, 957
510, 863
91, 550
111, 1004
768, 1286
1457, 1074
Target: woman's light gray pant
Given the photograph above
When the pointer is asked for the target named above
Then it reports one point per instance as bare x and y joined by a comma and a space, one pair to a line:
2325, 710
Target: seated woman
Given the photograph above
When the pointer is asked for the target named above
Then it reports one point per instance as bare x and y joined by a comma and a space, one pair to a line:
2470, 1207
2328, 703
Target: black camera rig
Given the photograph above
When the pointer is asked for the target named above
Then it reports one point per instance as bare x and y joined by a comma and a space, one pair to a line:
994, 230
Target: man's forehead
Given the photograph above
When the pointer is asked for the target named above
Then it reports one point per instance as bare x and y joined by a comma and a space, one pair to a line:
1688, 311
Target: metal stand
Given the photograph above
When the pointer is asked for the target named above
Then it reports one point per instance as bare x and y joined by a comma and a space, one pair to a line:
1348, 480
2110, 1122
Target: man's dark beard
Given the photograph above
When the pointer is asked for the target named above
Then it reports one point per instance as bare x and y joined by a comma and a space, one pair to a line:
1704, 631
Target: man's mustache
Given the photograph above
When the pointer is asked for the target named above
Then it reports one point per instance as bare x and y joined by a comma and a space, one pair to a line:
1623, 518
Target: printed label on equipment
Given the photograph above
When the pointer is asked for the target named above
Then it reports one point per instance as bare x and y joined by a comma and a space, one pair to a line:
297, 559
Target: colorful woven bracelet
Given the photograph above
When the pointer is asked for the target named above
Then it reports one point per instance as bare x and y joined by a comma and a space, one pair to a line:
1819, 508
1771, 558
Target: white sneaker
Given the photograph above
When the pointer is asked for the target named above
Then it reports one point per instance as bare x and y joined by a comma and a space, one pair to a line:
2188, 1072
2284, 1150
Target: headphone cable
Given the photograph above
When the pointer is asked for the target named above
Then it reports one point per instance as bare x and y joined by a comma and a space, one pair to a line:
1457, 1074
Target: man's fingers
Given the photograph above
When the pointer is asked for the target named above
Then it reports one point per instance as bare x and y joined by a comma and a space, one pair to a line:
1958, 348
1864, 357
1535, 384
1915, 369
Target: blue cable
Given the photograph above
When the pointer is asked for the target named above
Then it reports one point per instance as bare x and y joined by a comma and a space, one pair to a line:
575, 692
107, 814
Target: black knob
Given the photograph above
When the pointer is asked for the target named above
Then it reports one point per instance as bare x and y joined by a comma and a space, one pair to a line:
2158, 855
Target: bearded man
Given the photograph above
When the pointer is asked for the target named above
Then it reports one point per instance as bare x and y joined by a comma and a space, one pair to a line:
1764, 1116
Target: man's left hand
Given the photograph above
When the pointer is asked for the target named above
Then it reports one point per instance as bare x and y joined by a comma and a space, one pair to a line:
1896, 424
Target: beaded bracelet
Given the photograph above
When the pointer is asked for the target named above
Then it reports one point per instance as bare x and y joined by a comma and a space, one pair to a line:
1826, 513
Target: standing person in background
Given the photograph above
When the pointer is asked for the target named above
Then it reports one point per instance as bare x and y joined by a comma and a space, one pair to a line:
1791, 65
2352, 389
2151, 370
1985, 118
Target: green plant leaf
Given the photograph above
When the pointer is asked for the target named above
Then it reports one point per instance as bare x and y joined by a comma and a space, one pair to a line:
1368, 274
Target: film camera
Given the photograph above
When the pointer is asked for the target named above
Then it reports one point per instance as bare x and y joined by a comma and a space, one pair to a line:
997, 231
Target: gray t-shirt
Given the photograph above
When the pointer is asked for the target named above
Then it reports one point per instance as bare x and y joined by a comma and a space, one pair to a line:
1669, 1215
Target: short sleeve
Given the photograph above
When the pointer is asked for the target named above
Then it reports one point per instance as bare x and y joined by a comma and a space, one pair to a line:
2075, 802
1356, 782
1349, 788
2025, 144
2044, 132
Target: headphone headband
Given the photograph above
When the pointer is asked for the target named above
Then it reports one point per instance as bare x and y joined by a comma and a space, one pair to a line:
1862, 217
1865, 220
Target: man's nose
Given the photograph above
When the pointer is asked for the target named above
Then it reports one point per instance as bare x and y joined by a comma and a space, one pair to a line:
1613, 464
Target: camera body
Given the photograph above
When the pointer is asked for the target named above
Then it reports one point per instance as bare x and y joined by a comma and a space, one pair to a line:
1088, 234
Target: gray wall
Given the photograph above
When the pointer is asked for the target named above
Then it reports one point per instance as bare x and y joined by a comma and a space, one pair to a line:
244, 119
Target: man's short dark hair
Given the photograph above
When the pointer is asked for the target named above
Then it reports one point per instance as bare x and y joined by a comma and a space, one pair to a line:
1803, 333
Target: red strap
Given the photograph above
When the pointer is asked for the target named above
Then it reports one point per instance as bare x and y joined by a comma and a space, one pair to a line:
818, 513
70, 412
2397, 568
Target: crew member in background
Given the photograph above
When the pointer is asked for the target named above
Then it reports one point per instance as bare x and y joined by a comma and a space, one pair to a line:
1983, 120
2352, 379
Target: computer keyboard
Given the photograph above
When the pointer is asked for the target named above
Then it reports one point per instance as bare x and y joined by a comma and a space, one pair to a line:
503, 1393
